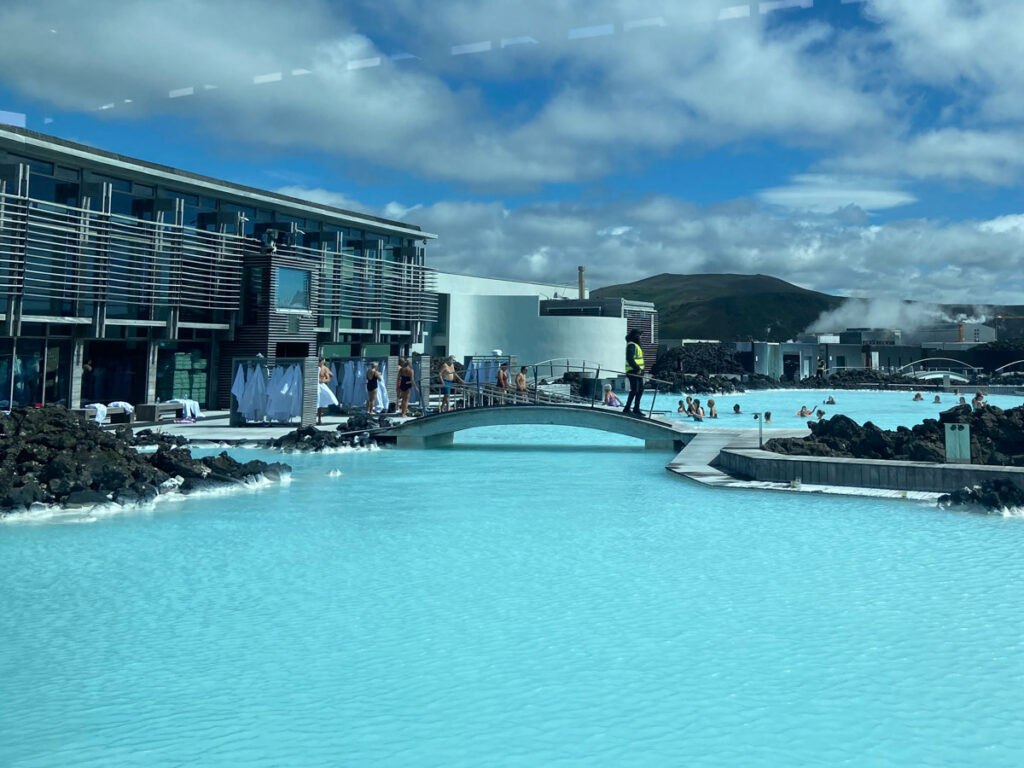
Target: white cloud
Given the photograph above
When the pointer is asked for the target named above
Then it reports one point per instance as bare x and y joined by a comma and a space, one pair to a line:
993, 157
965, 262
818, 193
705, 84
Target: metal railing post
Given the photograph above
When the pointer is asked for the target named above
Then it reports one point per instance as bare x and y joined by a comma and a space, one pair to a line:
593, 389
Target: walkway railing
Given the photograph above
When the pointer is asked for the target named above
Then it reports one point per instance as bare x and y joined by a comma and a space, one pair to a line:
479, 394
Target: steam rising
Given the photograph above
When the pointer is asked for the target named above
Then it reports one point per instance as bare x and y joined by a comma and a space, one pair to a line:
886, 313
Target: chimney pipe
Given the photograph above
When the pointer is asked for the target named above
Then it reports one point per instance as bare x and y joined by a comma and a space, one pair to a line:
960, 331
583, 282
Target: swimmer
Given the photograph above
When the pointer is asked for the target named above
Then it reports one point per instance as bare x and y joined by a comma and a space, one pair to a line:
611, 399
712, 411
804, 411
681, 408
767, 417
831, 400
698, 410
821, 414
736, 408
937, 399
917, 397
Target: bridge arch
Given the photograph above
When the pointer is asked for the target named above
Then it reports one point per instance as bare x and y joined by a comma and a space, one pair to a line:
1001, 370
438, 430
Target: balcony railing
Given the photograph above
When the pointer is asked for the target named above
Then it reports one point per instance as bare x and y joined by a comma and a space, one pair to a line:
73, 254
373, 288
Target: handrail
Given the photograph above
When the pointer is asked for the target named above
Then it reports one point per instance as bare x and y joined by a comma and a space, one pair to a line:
947, 359
571, 364
1015, 362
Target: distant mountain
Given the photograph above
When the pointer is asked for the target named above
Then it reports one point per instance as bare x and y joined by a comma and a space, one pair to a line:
726, 307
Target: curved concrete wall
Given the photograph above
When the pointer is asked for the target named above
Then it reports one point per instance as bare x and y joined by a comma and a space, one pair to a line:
514, 325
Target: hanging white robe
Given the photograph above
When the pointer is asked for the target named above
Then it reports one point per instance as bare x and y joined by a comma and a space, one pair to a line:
295, 392
238, 387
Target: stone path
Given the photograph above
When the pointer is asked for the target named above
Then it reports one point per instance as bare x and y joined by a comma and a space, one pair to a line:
694, 463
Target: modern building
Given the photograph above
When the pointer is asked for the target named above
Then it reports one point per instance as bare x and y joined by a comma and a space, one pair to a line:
953, 333
535, 322
125, 280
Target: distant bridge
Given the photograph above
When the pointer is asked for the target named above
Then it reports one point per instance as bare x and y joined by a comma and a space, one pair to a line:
928, 374
438, 429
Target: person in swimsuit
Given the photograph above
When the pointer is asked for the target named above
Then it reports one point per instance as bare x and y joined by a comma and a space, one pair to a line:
521, 395
611, 399
406, 384
712, 410
324, 398
372, 381
502, 383
448, 376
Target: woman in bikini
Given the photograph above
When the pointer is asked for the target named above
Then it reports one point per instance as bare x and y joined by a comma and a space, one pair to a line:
372, 381
406, 384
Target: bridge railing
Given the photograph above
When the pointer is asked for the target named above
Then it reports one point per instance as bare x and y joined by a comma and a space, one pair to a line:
538, 391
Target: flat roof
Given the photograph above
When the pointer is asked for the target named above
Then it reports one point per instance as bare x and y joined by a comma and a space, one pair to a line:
56, 147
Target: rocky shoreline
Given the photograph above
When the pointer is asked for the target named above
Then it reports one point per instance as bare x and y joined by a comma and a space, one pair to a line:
997, 439
355, 433
51, 457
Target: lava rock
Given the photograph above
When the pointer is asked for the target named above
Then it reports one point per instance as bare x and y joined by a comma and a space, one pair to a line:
992, 495
997, 438
311, 440
49, 455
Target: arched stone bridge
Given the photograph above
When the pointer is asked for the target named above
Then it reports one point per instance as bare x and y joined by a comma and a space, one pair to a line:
437, 430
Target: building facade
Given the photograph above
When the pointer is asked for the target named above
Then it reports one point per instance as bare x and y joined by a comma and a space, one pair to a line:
535, 322
125, 280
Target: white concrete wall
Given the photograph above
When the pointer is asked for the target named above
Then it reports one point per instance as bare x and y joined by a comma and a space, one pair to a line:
448, 282
514, 325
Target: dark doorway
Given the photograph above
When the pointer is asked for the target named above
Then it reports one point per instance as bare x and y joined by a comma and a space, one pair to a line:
114, 370
791, 367
291, 349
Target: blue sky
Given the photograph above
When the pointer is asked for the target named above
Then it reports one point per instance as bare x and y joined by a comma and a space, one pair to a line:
864, 148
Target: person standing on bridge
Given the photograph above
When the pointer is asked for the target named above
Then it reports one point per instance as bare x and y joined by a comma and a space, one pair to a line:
448, 377
502, 382
634, 372
521, 394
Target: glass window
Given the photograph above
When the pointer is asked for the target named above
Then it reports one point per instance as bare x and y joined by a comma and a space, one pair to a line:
189, 199
292, 289
143, 190
37, 166
120, 185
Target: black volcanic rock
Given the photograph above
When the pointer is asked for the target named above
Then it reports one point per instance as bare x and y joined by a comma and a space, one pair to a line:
49, 455
313, 440
992, 495
997, 438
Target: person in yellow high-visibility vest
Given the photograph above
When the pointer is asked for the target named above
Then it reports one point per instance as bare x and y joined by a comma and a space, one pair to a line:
634, 372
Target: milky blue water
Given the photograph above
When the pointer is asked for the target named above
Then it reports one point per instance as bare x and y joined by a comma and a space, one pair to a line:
569, 603
885, 409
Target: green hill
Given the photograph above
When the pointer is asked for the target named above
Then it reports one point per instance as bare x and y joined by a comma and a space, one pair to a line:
726, 307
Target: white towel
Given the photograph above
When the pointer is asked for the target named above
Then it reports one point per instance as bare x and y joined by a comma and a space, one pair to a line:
128, 408
101, 412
